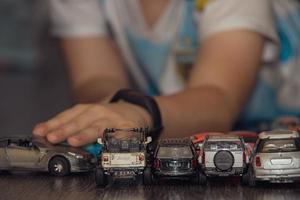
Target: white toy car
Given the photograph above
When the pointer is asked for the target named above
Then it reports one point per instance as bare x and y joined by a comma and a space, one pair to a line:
223, 155
122, 157
276, 157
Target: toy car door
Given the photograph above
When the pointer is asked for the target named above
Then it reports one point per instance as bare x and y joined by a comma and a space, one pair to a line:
22, 157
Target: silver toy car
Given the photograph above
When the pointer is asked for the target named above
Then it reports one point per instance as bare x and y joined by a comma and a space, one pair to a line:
122, 156
36, 154
276, 157
223, 155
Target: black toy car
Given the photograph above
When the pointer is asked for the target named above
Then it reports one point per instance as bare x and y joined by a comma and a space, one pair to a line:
122, 157
173, 158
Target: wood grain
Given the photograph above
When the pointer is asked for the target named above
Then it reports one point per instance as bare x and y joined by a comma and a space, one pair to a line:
42, 186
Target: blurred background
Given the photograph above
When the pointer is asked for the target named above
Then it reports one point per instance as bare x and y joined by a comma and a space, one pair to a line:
33, 81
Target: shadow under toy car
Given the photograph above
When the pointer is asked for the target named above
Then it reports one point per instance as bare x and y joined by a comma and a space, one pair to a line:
223, 155
122, 157
36, 154
173, 158
276, 158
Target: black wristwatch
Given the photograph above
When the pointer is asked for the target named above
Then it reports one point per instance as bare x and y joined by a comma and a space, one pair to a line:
146, 102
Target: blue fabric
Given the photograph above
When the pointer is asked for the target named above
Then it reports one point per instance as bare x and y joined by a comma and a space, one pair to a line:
263, 104
152, 56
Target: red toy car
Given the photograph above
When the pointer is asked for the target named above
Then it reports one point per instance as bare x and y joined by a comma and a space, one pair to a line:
199, 138
250, 139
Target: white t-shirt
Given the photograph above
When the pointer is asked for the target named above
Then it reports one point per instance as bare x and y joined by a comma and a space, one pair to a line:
151, 54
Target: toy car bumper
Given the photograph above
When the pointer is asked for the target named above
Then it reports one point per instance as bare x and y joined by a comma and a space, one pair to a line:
278, 175
173, 173
215, 172
123, 172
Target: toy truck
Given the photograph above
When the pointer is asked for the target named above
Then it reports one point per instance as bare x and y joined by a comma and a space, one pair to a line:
122, 157
223, 155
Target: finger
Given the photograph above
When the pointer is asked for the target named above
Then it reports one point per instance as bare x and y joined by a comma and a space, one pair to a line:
43, 128
90, 134
84, 137
80, 122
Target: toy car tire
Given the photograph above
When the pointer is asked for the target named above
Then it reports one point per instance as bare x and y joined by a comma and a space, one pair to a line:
100, 177
202, 179
148, 176
245, 179
252, 181
59, 166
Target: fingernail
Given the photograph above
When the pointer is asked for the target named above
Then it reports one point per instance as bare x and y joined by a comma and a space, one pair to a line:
52, 137
39, 129
74, 141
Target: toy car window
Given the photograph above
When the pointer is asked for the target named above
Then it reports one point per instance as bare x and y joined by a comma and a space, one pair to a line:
175, 152
124, 135
283, 145
216, 145
250, 139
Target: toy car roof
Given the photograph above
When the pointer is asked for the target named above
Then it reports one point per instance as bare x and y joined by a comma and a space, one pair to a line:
137, 130
201, 136
175, 142
278, 134
223, 138
244, 134
17, 137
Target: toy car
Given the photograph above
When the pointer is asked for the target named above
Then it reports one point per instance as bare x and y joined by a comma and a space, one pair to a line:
249, 138
199, 138
173, 158
276, 158
36, 154
286, 123
122, 157
223, 155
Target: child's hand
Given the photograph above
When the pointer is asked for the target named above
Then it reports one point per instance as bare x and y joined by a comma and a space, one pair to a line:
84, 123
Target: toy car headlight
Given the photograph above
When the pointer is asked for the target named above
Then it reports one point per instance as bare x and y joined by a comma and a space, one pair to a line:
78, 156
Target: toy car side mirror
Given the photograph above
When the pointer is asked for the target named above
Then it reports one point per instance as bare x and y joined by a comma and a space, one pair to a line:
99, 140
149, 139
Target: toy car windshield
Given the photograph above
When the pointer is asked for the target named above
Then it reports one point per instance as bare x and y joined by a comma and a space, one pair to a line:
282, 145
232, 145
175, 152
124, 140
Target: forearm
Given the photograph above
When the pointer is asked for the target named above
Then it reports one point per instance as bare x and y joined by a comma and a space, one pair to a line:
98, 89
196, 110
95, 68
220, 84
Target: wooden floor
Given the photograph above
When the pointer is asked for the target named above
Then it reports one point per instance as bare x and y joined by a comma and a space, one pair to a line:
41, 186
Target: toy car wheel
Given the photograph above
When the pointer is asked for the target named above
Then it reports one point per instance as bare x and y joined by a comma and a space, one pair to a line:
245, 179
59, 166
148, 176
202, 179
100, 177
252, 181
